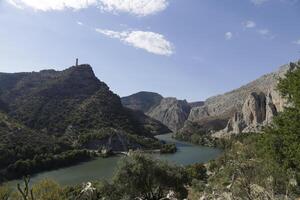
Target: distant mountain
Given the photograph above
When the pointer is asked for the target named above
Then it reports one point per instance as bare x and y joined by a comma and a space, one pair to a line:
170, 111
142, 101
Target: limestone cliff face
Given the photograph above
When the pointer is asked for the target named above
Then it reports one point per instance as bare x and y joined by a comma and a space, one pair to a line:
171, 112
247, 108
257, 111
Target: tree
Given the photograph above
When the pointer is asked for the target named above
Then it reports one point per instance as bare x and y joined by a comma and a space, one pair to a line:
142, 176
280, 145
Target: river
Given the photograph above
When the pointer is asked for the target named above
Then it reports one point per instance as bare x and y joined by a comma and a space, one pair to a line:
103, 168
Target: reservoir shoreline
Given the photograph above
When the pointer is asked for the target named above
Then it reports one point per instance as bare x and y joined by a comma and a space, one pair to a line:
103, 168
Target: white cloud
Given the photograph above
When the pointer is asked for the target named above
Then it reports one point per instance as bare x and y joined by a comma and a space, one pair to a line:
12, 2
152, 42
135, 7
249, 24
266, 33
48, 5
228, 36
258, 2
79, 23
297, 42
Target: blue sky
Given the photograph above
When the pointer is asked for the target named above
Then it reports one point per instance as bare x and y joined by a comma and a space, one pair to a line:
189, 49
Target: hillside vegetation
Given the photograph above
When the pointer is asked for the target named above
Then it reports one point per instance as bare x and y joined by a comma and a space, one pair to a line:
44, 114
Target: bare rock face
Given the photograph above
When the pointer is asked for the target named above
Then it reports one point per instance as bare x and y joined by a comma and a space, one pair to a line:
171, 112
236, 124
254, 109
258, 110
272, 108
198, 113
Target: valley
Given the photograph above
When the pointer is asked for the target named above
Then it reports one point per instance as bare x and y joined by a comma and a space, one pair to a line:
55, 125
104, 168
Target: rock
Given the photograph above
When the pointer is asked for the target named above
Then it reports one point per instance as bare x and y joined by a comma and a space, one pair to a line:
254, 109
198, 113
88, 191
236, 124
257, 111
271, 108
171, 112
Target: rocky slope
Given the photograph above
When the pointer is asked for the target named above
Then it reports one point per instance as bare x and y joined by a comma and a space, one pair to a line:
246, 108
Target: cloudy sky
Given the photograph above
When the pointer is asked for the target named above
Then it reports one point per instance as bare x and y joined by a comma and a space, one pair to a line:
190, 49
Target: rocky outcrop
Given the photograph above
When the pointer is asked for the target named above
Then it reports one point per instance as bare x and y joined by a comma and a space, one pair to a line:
171, 112
257, 111
246, 108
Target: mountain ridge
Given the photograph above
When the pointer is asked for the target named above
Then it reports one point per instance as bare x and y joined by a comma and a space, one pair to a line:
168, 110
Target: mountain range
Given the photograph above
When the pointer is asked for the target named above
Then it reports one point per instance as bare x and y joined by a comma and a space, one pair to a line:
245, 109
170, 111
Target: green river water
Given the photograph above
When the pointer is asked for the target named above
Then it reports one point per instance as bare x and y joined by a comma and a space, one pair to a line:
103, 168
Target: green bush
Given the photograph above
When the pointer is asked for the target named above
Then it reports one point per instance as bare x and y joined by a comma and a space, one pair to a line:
168, 148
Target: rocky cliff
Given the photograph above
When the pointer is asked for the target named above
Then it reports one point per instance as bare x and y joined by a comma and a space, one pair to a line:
171, 112
248, 108
257, 111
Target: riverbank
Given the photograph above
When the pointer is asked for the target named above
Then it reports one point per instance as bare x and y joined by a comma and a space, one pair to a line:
103, 168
